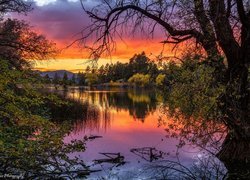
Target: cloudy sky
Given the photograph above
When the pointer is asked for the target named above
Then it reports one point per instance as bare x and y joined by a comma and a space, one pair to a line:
62, 20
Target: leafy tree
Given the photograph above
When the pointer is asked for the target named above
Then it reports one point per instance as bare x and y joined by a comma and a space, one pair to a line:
31, 146
18, 43
81, 79
220, 28
160, 80
47, 79
14, 6
139, 80
91, 79
123, 71
65, 79
73, 79
195, 91
153, 70
56, 79
106, 69
139, 63
87, 70
101, 70
29, 142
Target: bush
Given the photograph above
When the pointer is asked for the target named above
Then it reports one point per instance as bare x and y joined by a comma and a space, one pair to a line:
159, 80
91, 79
139, 80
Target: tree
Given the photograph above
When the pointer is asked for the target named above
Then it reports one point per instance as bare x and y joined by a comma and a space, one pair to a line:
139, 80
73, 79
65, 78
160, 80
19, 43
102, 74
81, 79
47, 78
27, 144
87, 70
14, 6
56, 79
139, 63
28, 148
220, 28
91, 79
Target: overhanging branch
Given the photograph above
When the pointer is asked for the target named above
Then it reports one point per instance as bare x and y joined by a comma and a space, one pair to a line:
172, 31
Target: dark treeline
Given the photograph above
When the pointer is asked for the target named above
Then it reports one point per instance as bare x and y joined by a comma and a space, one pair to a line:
139, 71
138, 64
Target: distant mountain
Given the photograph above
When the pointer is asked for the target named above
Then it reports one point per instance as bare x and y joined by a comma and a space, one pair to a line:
60, 73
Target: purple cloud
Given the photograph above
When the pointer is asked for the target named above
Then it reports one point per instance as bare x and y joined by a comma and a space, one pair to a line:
59, 20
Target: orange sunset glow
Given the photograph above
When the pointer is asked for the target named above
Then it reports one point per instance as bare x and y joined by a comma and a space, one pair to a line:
73, 58
49, 19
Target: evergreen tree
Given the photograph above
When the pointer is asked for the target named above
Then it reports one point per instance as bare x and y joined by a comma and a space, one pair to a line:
81, 79
47, 79
65, 78
87, 70
56, 79
73, 79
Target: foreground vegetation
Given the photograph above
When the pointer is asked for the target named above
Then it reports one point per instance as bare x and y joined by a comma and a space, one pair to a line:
31, 145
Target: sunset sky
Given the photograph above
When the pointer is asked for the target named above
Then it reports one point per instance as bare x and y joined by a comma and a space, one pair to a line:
62, 20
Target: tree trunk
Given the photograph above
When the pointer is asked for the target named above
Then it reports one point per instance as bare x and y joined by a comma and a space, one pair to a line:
235, 154
235, 151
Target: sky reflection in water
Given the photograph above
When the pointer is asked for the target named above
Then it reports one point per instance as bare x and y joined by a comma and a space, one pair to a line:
125, 120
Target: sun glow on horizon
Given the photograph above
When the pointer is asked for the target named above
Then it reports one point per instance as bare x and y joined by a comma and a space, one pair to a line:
75, 58
73, 65
63, 29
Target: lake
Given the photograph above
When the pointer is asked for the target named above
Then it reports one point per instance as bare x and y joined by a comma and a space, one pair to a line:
129, 126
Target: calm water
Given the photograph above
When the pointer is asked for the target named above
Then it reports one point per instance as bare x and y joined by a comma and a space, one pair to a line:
125, 120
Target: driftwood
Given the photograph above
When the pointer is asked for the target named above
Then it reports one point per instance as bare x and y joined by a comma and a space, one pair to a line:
148, 153
86, 173
92, 137
113, 158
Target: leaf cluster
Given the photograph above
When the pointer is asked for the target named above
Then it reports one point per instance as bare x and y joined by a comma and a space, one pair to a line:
30, 144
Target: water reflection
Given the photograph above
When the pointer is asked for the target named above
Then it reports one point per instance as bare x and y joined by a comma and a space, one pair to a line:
99, 107
128, 122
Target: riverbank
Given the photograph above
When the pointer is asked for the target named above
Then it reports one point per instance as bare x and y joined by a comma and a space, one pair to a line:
118, 85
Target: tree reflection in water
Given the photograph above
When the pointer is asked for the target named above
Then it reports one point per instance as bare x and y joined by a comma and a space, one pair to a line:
208, 134
94, 111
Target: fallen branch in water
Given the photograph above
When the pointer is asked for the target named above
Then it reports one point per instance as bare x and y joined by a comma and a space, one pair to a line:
148, 153
92, 137
114, 158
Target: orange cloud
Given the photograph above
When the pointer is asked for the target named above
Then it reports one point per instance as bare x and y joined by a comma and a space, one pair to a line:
74, 58
124, 50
